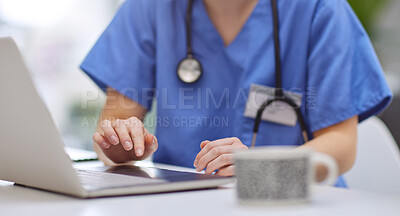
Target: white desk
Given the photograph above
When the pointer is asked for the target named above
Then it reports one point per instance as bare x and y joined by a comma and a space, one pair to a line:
15, 200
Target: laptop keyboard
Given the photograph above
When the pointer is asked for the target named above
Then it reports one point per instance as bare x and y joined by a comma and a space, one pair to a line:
96, 179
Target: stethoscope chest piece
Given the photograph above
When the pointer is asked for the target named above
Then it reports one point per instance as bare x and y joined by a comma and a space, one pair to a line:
189, 70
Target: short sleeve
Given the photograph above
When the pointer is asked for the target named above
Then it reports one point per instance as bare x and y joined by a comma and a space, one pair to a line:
123, 58
343, 69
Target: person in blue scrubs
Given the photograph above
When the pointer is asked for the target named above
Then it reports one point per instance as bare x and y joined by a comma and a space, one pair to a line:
326, 57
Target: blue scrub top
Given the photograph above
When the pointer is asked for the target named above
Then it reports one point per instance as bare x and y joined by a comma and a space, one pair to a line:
326, 56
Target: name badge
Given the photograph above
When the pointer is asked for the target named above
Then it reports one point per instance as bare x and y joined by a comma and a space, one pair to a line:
278, 112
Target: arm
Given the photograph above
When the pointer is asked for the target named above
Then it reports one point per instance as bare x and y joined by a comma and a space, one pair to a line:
121, 117
338, 141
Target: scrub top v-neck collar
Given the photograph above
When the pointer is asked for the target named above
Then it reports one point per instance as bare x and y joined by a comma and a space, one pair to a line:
237, 50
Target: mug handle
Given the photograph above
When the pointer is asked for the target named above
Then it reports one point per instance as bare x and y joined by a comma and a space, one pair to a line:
326, 160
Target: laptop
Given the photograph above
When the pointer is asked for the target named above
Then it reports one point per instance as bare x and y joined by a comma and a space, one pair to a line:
32, 151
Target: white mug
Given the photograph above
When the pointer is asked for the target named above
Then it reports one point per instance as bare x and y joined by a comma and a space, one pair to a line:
279, 175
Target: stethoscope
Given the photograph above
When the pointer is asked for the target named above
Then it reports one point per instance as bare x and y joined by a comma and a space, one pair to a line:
190, 70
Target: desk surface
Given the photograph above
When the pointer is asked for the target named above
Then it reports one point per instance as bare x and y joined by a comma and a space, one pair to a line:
15, 200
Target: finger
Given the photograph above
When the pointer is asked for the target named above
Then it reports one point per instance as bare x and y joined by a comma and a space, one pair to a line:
213, 154
226, 171
137, 132
151, 143
124, 137
219, 163
202, 144
213, 144
109, 132
205, 142
101, 140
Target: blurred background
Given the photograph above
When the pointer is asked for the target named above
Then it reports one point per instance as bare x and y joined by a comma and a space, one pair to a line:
55, 36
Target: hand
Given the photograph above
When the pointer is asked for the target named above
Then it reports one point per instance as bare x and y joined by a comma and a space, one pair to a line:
218, 155
125, 140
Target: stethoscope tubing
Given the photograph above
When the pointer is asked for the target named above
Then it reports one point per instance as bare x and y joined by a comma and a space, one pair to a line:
189, 51
279, 95
289, 102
